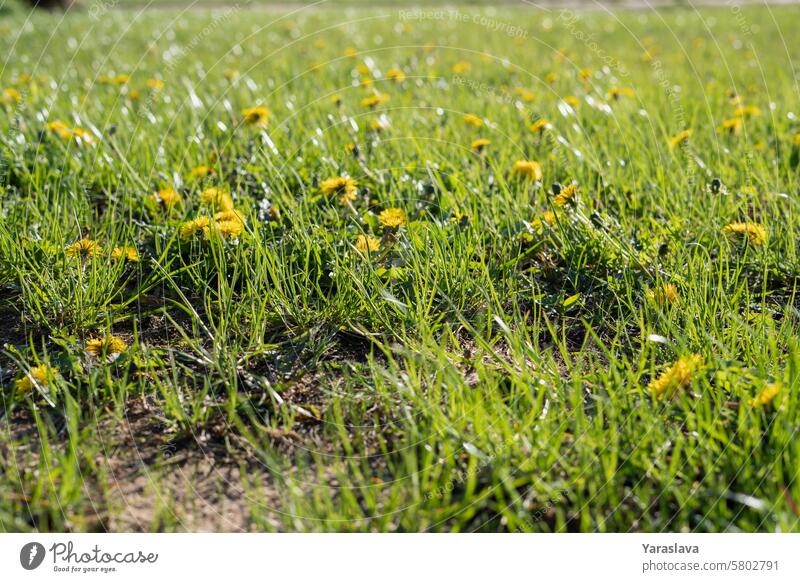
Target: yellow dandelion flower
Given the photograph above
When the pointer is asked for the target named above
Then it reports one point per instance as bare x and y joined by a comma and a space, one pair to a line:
549, 217
367, 243
198, 225
680, 138
572, 101
339, 186
733, 125
479, 144
39, 376
461, 67
166, 197
539, 125
336, 99
230, 228
374, 100
125, 253
617, 92
82, 136
60, 128
471, 119
256, 116
678, 376
84, 248
11, 96
217, 198
747, 111
663, 295
566, 195
228, 215
393, 218
378, 124
350, 52
200, 172
528, 169
155, 84
107, 346
766, 396
121, 79
755, 233
551, 78
525, 94
396, 75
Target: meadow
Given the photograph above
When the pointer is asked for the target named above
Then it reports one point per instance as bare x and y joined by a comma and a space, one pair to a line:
400, 269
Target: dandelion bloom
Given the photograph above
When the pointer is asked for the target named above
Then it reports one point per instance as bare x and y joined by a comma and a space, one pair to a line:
747, 111
680, 138
378, 124
551, 78
125, 253
256, 116
617, 92
350, 52
230, 228
339, 186
461, 67
336, 99
572, 101
84, 248
218, 198
766, 396
755, 233
539, 125
200, 172
473, 120
525, 94
82, 136
393, 218
478, 144
121, 79
396, 75
549, 217
529, 169
166, 197
38, 376
106, 346
367, 243
192, 227
733, 125
679, 375
374, 100
566, 195
11, 96
60, 128
663, 295
155, 84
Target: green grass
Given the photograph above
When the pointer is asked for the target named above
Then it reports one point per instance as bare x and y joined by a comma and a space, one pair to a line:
489, 368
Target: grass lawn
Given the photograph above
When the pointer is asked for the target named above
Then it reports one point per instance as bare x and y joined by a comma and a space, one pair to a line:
400, 270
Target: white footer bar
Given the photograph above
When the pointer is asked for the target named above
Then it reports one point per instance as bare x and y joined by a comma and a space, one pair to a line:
419, 557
